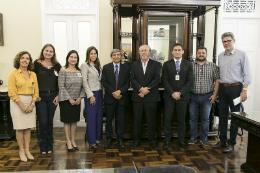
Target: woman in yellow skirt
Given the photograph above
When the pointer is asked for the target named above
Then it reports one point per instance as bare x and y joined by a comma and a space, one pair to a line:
23, 92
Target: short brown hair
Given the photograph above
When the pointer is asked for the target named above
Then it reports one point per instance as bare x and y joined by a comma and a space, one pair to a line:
53, 59
17, 60
97, 62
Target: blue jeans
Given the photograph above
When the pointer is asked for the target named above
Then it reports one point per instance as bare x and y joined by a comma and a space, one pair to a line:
226, 96
199, 105
45, 110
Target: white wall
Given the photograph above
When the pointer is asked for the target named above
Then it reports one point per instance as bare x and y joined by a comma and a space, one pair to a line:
105, 31
22, 32
209, 33
245, 27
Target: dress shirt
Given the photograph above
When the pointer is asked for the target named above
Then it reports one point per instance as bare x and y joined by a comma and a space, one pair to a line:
18, 84
117, 67
175, 60
234, 67
204, 77
144, 66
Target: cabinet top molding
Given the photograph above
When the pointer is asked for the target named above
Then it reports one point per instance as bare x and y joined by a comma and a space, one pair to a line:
170, 2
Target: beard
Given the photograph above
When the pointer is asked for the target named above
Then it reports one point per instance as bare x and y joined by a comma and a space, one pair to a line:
200, 60
144, 58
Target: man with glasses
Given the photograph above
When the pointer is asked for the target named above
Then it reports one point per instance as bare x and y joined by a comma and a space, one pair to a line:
235, 76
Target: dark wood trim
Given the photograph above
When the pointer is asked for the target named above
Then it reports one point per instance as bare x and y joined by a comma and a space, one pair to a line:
200, 31
116, 27
145, 28
170, 2
134, 39
190, 43
215, 37
186, 36
165, 14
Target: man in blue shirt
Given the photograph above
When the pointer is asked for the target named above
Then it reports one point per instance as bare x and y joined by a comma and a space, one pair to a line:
235, 76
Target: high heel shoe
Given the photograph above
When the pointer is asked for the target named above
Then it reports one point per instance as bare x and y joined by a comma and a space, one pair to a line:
93, 146
29, 155
98, 143
76, 148
70, 150
23, 157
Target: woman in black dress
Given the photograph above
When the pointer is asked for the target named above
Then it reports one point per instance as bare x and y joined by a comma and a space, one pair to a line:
46, 68
70, 94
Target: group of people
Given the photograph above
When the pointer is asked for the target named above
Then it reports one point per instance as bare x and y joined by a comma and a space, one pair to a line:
45, 84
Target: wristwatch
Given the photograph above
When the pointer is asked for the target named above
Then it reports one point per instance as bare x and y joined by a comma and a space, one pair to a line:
245, 89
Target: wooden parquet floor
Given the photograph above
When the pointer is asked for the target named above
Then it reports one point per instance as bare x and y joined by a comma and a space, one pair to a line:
202, 159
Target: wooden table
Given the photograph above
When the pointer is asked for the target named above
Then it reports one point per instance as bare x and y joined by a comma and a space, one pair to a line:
252, 125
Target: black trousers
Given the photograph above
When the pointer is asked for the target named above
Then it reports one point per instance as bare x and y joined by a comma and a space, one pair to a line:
181, 108
110, 112
226, 96
149, 109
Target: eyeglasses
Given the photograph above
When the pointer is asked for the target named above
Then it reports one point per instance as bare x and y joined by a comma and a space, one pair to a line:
228, 41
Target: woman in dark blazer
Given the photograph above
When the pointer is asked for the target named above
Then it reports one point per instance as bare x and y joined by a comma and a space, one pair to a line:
91, 73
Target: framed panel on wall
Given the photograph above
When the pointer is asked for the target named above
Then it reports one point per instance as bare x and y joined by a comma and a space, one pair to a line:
1, 30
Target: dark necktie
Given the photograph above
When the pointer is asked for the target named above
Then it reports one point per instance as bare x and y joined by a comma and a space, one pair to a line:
178, 66
116, 75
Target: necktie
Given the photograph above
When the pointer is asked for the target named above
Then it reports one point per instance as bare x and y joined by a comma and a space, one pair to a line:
116, 75
178, 66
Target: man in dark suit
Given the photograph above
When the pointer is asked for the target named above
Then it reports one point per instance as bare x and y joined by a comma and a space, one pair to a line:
177, 76
116, 81
145, 77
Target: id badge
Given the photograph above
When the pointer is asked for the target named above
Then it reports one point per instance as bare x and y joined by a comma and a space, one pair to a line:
55, 72
79, 74
177, 77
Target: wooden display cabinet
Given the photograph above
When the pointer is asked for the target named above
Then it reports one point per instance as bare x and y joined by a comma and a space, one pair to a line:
177, 18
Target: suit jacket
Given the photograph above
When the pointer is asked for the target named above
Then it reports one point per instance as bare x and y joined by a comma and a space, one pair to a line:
150, 79
171, 85
91, 79
109, 82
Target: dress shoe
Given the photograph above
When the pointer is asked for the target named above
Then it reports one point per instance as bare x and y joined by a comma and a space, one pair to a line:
228, 149
154, 145
121, 143
135, 144
108, 143
76, 148
182, 145
29, 155
23, 157
93, 146
219, 145
166, 144
70, 150
98, 143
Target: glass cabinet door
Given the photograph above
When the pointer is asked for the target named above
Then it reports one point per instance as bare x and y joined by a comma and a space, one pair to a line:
163, 33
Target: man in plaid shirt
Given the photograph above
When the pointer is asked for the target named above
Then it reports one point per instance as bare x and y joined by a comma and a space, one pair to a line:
203, 93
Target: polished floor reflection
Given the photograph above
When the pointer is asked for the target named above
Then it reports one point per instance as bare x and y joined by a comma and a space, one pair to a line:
201, 158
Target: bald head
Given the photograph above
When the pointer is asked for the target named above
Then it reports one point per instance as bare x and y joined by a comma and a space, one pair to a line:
144, 51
